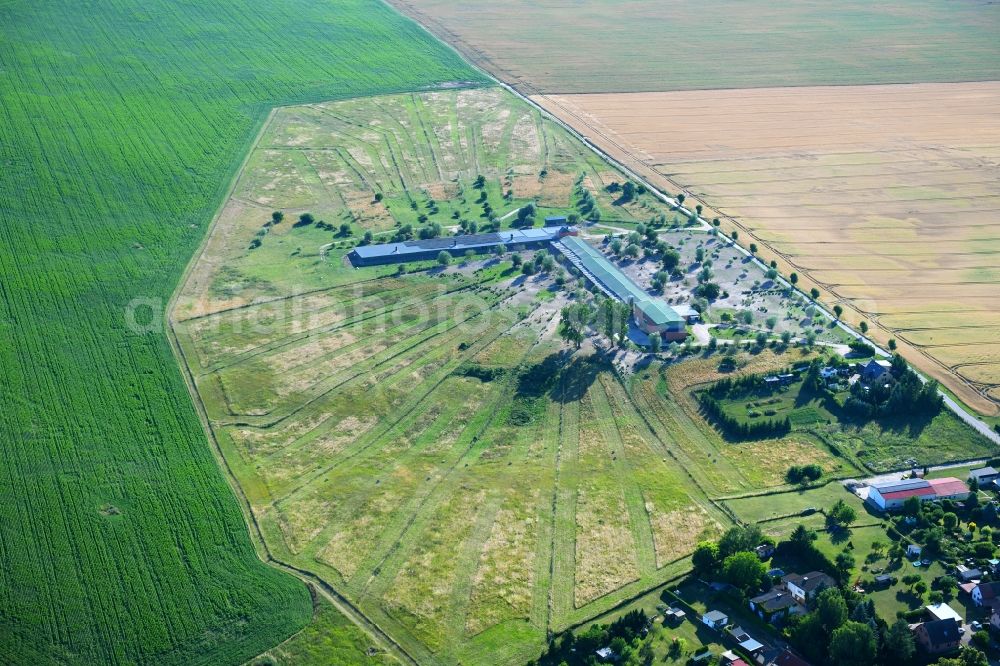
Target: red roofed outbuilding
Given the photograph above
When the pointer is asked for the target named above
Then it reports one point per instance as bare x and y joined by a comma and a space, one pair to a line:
949, 488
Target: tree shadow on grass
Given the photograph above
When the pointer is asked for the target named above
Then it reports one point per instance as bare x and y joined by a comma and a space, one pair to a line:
839, 535
576, 379
911, 425
911, 599
560, 376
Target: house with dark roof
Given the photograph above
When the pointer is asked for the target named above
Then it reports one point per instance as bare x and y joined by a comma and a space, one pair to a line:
874, 370
938, 636
804, 588
775, 605
984, 594
715, 619
788, 658
984, 476
967, 574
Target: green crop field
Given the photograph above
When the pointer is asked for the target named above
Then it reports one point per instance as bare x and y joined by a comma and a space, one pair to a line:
121, 124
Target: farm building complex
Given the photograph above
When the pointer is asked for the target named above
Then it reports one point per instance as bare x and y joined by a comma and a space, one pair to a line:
652, 315
423, 250
892, 494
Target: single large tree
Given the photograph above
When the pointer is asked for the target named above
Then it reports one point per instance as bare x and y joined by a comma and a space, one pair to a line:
671, 260
803, 536
841, 514
853, 644
745, 571
628, 191
574, 321
831, 608
705, 558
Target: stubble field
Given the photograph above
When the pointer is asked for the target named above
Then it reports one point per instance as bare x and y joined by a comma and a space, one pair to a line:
885, 196
551, 46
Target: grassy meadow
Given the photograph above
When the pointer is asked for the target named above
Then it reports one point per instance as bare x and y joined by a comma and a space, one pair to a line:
421, 440
421, 153
121, 124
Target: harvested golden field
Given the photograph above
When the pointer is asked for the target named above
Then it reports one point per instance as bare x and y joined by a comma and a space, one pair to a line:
624, 45
885, 197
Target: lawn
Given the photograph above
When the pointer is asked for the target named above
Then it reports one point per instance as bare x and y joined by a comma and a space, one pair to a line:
766, 507
121, 125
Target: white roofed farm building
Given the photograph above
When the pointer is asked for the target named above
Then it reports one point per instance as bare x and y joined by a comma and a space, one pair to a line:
891, 495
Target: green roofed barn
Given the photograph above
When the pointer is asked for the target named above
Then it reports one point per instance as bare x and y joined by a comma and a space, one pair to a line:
652, 315
655, 315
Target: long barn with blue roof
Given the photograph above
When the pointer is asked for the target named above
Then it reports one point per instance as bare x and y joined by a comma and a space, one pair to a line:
457, 246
